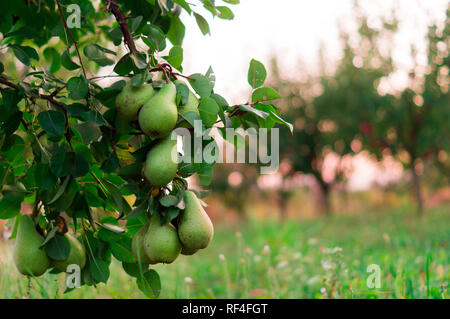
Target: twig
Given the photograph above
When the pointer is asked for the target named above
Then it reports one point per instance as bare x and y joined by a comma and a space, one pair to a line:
55, 92
25, 125
71, 36
10, 84
109, 76
183, 76
50, 99
112, 6
35, 207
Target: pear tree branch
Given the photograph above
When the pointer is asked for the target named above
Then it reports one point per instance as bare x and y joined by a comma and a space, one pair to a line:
71, 36
114, 8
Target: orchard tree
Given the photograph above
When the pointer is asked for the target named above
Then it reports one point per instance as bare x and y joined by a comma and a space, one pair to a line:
418, 119
335, 114
98, 163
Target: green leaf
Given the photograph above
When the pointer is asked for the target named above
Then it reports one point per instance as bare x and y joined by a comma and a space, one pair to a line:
264, 94
9, 208
11, 124
211, 77
273, 116
256, 74
171, 213
169, 200
67, 62
232, 1
110, 164
202, 24
225, 13
60, 162
149, 283
116, 36
204, 174
108, 236
24, 32
116, 195
95, 53
44, 177
200, 84
155, 36
208, 110
53, 56
176, 31
210, 6
278, 119
89, 132
66, 200
2, 68
135, 23
78, 87
175, 57
184, 5
80, 166
24, 53
113, 228
121, 250
182, 93
138, 211
125, 65
60, 191
140, 78
53, 122
57, 248
223, 104
257, 112
191, 117
99, 270
134, 269
10, 100
49, 236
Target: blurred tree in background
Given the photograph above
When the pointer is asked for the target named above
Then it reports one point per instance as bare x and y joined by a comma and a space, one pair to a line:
418, 118
350, 107
335, 114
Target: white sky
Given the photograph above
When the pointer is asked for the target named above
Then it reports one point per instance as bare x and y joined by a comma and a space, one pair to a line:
291, 30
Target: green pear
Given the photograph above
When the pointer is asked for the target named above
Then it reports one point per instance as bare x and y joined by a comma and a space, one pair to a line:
29, 259
161, 164
188, 251
158, 116
77, 255
131, 98
161, 241
137, 246
195, 229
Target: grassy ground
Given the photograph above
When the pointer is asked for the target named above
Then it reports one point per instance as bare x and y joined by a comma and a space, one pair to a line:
314, 258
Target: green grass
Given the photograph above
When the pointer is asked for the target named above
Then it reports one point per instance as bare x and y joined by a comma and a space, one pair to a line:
314, 258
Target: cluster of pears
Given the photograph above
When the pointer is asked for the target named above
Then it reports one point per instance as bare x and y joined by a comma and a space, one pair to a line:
157, 116
31, 259
157, 242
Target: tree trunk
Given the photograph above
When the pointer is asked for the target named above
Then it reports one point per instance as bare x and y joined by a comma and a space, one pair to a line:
417, 190
282, 204
324, 198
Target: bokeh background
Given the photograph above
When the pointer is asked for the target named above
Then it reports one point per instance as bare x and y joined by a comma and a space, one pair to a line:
364, 178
